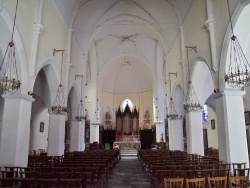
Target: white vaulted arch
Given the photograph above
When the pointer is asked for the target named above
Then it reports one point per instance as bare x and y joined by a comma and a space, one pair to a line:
202, 80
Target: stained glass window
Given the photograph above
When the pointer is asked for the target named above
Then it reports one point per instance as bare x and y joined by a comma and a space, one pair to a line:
204, 114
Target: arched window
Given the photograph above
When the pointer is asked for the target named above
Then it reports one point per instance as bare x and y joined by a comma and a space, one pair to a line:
129, 102
204, 114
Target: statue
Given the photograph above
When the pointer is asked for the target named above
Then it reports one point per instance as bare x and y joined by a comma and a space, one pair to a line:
147, 115
108, 116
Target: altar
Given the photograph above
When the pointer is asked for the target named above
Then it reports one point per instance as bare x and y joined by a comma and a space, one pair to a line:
127, 145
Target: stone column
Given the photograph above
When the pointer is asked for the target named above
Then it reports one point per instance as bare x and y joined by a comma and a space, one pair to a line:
37, 28
160, 126
56, 137
77, 132
160, 94
195, 142
176, 135
210, 26
231, 127
15, 130
93, 97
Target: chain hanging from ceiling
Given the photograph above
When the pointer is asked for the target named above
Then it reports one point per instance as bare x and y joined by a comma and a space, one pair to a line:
171, 111
80, 111
191, 101
238, 70
9, 79
59, 106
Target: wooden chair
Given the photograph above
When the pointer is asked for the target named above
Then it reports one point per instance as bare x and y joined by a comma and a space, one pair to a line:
7, 182
196, 182
87, 178
173, 182
26, 182
64, 175
238, 181
218, 182
8, 177
221, 172
238, 166
47, 183
241, 172
157, 179
68, 183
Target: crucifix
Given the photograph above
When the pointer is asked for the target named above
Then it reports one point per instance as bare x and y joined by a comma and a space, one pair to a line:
162, 139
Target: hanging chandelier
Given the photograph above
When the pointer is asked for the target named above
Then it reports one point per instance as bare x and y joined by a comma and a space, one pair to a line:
238, 71
95, 124
9, 80
191, 102
59, 106
171, 114
80, 111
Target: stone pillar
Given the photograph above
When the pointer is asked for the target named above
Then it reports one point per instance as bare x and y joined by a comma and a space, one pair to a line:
160, 94
176, 135
56, 137
15, 130
210, 26
77, 132
231, 127
183, 61
160, 126
37, 28
93, 97
195, 142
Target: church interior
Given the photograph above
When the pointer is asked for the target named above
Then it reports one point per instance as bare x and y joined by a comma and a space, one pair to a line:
134, 76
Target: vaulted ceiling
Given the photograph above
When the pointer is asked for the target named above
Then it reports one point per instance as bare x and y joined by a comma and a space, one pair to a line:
125, 34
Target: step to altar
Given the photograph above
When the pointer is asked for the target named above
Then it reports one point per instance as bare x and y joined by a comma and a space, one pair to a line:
129, 152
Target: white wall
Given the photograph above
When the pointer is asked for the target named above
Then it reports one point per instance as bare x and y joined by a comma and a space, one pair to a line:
38, 139
212, 135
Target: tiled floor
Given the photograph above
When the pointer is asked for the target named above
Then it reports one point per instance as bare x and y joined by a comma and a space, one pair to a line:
128, 174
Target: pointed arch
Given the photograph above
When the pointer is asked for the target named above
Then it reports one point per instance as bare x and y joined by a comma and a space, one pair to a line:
202, 80
73, 101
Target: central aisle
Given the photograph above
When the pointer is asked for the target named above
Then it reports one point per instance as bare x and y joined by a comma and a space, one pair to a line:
128, 173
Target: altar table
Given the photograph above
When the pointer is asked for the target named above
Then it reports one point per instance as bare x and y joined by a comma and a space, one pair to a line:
127, 145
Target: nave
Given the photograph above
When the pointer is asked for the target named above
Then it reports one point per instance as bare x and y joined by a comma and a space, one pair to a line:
128, 173
108, 169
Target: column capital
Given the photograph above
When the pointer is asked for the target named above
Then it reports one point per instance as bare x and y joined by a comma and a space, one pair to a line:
209, 24
183, 62
229, 93
70, 30
18, 96
77, 121
37, 27
194, 111
53, 113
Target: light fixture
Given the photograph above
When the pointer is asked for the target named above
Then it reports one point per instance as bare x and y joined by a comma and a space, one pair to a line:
80, 111
171, 112
157, 121
238, 69
9, 81
95, 124
59, 106
191, 101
